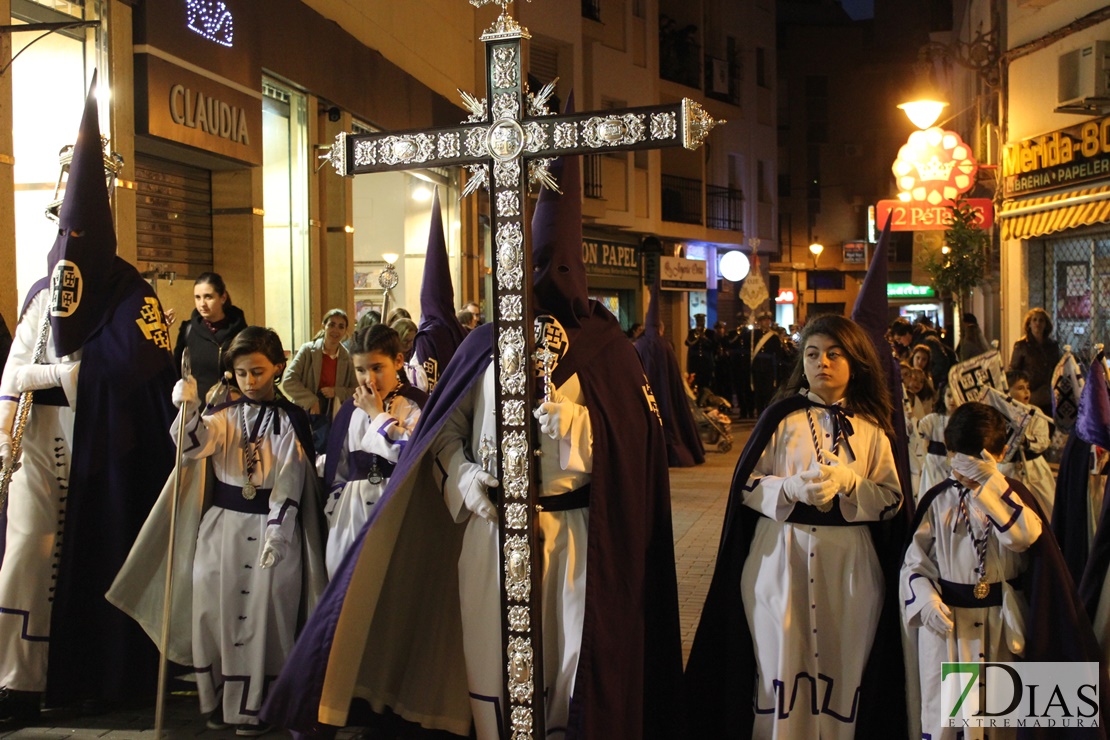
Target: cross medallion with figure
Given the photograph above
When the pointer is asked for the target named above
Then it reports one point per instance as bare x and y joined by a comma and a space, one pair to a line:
507, 143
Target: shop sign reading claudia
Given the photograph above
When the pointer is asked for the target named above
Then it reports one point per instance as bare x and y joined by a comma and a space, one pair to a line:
1063, 158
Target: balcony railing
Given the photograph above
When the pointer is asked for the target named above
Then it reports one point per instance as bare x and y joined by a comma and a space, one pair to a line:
591, 9
681, 199
679, 53
724, 208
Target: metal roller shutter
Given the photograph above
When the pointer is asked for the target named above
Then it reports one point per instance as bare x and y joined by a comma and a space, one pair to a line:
174, 216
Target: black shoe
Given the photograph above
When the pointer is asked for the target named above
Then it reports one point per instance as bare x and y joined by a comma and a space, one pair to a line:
253, 730
216, 721
19, 706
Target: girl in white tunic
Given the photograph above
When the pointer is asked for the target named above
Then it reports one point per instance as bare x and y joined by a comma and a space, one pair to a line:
956, 577
812, 586
930, 434
384, 416
1030, 467
247, 568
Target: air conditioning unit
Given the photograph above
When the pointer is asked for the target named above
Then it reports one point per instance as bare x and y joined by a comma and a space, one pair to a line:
1084, 75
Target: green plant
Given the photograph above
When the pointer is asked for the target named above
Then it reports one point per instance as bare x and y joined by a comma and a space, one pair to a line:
963, 262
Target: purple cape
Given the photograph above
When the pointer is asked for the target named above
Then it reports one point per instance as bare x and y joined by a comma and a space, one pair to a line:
1070, 517
1057, 629
720, 675
684, 447
1092, 572
122, 454
630, 663
1070, 511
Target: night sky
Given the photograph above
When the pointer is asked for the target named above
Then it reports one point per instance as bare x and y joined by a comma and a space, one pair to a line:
859, 8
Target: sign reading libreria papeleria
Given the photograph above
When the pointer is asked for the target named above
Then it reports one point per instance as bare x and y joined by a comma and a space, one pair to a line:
1064, 158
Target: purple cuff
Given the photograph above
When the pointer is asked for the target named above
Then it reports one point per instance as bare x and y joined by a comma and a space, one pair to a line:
382, 430
281, 512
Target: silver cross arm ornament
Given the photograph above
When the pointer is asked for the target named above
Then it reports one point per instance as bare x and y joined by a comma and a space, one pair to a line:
509, 138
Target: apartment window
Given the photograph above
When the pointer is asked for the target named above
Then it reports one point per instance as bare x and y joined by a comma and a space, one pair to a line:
762, 77
817, 109
762, 184
591, 9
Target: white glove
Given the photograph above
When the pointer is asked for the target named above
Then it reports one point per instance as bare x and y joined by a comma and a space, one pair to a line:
808, 487
937, 617
840, 475
185, 392
41, 377
273, 552
555, 417
474, 482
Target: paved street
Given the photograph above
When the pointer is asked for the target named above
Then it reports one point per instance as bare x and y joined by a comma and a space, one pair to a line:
698, 504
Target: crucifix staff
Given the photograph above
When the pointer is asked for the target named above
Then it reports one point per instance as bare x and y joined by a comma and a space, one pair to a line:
507, 143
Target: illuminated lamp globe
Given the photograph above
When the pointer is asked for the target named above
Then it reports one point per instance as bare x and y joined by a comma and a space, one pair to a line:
735, 266
923, 113
816, 249
391, 257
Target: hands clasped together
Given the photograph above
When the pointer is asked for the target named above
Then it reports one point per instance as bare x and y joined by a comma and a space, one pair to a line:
819, 484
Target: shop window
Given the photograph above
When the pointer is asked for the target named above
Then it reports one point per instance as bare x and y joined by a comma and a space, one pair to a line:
43, 123
286, 171
1074, 290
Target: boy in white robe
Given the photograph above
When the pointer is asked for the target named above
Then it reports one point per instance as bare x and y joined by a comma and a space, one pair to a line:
958, 575
1030, 466
247, 567
930, 434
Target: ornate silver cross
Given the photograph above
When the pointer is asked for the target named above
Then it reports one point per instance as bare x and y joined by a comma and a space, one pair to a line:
508, 142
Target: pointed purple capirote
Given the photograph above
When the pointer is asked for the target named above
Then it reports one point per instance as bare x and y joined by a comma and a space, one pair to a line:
84, 252
440, 332
1092, 424
653, 320
560, 274
872, 312
684, 446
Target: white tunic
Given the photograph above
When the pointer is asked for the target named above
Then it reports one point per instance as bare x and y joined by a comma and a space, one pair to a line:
942, 549
1035, 473
245, 616
935, 468
351, 499
913, 411
36, 514
565, 466
813, 594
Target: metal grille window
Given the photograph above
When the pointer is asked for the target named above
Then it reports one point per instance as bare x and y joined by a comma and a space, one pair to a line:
1075, 289
173, 215
592, 178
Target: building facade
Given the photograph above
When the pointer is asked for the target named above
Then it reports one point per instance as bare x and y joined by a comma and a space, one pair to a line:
221, 122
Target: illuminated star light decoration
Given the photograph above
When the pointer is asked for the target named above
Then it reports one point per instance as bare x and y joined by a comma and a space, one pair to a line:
934, 167
212, 20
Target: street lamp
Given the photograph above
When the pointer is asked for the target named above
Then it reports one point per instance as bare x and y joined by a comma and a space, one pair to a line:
815, 249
